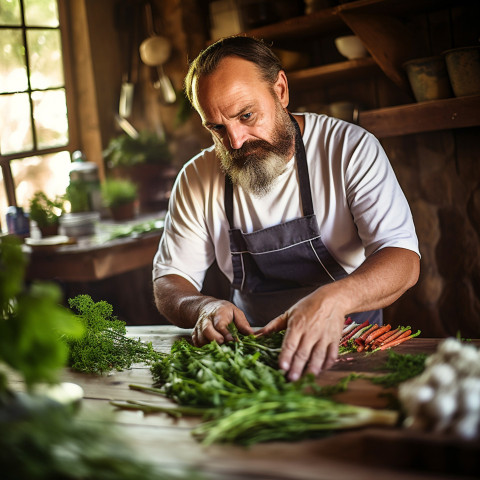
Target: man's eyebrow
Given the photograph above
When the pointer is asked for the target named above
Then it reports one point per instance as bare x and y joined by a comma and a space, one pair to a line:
241, 112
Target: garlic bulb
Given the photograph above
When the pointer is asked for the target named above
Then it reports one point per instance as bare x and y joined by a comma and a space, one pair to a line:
446, 396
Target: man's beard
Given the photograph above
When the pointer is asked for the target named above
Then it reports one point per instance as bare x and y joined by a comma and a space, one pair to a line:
257, 163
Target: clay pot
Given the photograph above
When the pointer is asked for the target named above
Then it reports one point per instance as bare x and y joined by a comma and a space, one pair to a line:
125, 211
49, 230
428, 78
463, 65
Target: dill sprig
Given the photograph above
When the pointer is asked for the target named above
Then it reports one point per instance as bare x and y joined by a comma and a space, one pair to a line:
104, 346
400, 367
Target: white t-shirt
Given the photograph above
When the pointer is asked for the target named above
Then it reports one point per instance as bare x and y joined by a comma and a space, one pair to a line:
359, 205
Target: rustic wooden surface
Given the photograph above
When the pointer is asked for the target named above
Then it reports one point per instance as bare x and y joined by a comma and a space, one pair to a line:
391, 453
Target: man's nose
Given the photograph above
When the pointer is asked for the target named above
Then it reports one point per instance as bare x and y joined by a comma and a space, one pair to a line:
236, 137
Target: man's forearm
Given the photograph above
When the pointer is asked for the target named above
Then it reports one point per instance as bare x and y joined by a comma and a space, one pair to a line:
178, 300
379, 281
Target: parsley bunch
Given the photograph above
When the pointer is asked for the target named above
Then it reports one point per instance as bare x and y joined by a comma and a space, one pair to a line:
206, 376
104, 346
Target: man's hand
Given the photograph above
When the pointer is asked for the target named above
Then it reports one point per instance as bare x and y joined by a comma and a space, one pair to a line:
213, 321
314, 324
313, 331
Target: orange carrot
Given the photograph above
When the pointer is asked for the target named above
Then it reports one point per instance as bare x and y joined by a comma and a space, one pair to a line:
375, 334
399, 340
401, 331
385, 336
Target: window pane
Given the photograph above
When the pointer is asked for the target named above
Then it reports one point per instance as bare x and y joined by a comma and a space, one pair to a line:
46, 68
41, 13
50, 117
10, 12
48, 173
15, 125
13, 72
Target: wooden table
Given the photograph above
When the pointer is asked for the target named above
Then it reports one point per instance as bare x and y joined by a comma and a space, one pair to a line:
390, 453
94, 258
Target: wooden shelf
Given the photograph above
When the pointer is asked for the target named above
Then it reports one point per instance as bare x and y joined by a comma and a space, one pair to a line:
335, 72
422, 117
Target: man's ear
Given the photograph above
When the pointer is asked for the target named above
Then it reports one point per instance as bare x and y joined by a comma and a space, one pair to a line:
280, 88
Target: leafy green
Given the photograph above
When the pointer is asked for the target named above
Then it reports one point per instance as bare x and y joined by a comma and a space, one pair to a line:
401, 367
45, 211
238, 388
117, 191
104, 346
206, 376
31, 320
289, 415
148, 147
140, 228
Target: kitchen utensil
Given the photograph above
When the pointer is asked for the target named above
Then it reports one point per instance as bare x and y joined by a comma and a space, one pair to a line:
154, 52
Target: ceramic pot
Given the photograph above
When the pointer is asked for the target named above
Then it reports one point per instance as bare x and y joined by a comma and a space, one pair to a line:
125, 211
49, 230
463, 65
428, 78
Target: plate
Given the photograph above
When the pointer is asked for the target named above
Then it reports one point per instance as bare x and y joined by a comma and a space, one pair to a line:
52, 241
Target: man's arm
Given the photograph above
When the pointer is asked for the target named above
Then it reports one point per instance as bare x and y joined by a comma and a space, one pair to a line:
314, 324
183, 305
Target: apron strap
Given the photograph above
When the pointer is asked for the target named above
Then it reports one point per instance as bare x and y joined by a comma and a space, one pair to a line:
304, 179
302, 168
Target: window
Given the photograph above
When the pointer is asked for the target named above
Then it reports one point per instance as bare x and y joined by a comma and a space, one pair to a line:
35, 131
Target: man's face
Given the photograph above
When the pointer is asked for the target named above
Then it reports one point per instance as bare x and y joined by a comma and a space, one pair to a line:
253, 134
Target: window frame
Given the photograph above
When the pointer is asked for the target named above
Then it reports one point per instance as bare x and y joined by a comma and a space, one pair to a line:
72, 114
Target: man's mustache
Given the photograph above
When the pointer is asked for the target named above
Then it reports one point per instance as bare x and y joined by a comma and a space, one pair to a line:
247, 148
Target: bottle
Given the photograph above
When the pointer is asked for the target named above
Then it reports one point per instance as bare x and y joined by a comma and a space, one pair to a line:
18, 222
84, 190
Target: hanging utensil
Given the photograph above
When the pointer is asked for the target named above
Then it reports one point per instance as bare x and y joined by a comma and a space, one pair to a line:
126, 20
154, 52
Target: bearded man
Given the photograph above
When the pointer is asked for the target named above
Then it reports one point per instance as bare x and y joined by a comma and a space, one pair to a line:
302, 213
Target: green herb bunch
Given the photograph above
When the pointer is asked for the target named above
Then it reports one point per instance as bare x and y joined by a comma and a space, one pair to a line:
243, 396
104, 346
290, 415
400, 367
206, 376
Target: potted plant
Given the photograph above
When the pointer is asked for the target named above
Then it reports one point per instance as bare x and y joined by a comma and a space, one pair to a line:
46, 213
119, 195
146, 160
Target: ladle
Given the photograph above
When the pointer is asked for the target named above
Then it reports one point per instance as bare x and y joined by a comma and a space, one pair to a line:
154, 52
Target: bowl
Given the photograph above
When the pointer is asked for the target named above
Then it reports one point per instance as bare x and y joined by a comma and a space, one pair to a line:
79, 224
351, 47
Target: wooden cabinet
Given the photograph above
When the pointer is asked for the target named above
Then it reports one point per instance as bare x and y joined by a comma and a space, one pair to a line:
393, 31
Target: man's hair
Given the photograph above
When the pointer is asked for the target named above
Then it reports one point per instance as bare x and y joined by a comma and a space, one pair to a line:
248, 48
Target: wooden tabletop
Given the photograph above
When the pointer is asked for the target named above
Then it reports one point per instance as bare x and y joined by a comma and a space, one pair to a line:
392, 453
93, 258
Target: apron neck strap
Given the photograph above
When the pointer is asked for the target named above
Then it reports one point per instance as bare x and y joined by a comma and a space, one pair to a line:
304, 179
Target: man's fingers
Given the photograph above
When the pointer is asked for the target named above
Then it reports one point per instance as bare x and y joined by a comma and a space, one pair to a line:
275, 325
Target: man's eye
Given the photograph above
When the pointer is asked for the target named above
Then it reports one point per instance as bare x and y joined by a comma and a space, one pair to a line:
216, 128
246, 116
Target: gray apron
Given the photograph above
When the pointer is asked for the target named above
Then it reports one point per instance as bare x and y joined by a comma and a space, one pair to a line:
275, 267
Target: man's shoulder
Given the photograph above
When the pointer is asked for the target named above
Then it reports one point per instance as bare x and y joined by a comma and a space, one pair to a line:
203, 168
